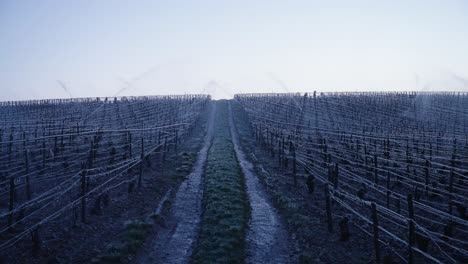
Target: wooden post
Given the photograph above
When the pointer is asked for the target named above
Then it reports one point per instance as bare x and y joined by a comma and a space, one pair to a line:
129, 143
376, 232
398, 205
12, 201
294, 165
335, 178
28, 185
272, 145
344, 229
10, 149
376, 175
164, 150
286, 158
141, 162
97, 210
256, 133
43, 154
426, 178
131, 186
279, 153
55, 151
106, 199
90, 158
328, 209
388, 189
24, 139
83, 198
450, 191
267, 139
325, 153
411, 229
330, 174
176, 139
310, 182
62, 145
36, 239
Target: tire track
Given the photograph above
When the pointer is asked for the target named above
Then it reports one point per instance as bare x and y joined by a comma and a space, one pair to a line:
174, 245
267, 238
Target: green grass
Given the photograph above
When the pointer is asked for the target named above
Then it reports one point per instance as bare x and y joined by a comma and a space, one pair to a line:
225, 206
127, 243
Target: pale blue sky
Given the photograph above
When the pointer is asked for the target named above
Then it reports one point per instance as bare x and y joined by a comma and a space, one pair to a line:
96, 48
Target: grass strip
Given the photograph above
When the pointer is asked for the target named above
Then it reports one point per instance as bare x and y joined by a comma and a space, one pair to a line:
226, 210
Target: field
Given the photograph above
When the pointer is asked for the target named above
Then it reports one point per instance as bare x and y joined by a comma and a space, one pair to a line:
262, 178
394, 166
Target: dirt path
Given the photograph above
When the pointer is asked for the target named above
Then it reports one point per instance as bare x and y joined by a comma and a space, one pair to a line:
174, 244
267, 238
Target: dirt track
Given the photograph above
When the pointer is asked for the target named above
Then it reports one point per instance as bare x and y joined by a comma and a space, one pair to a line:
174, 243
267, 237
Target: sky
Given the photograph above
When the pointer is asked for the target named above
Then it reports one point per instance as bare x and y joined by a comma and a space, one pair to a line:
63, 49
